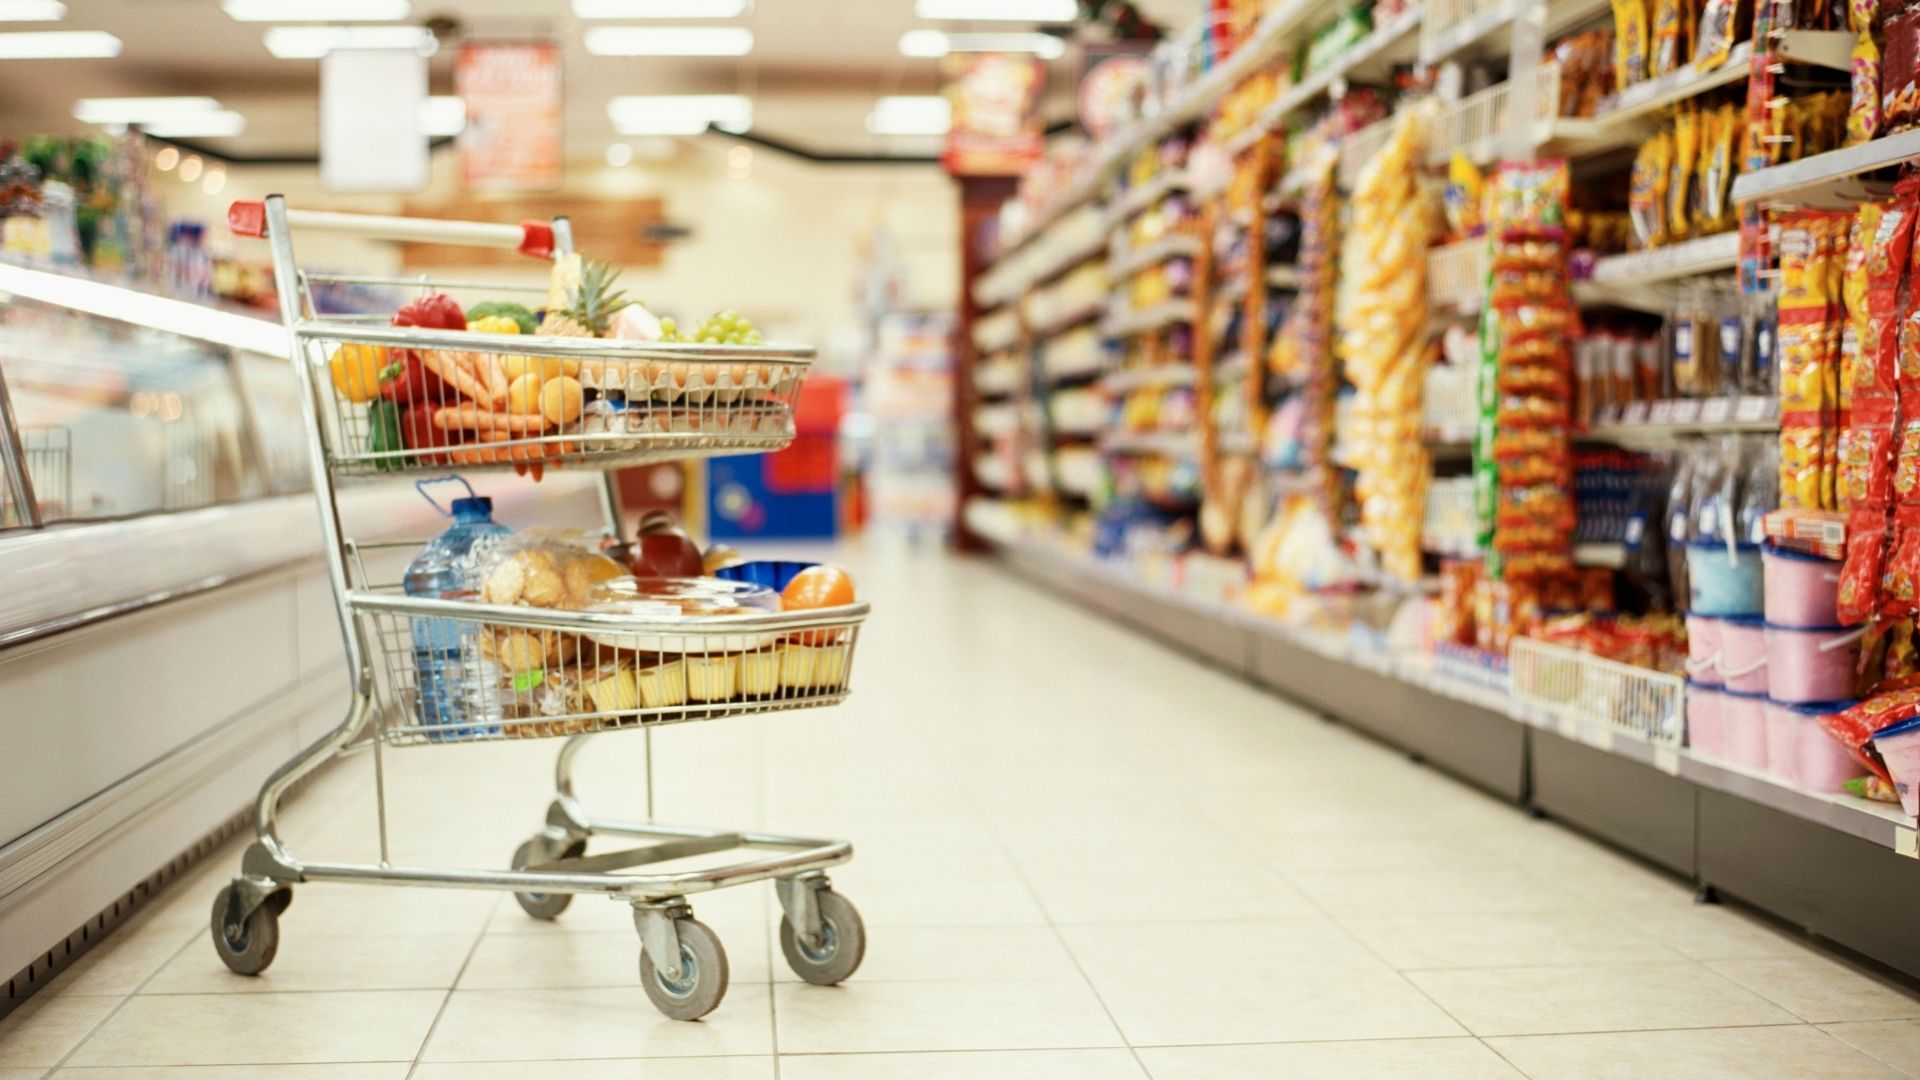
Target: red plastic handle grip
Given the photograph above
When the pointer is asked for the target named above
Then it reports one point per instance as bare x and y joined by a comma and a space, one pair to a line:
536, 239
247, 217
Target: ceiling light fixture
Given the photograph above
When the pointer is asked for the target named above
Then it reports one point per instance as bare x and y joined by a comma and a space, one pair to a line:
661, 9
314, 42
669, 41
222, 124
167, 158
140, 110
619, 155
216, 181
190, 168
935, 43
1032, 11
683, 115
59, 45
32, 11
332, 11
910, 116
443, 116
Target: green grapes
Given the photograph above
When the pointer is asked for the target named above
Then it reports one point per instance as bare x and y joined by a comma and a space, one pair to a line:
728, 327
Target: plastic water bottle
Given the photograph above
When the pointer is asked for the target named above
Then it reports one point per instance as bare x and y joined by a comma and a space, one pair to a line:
456, 684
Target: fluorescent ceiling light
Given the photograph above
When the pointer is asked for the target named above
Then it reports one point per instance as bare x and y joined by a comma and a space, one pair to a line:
669, 41
661, 9
59, 45
443, 116
1033, 11
910, 116
32, 11
685, 115
218, 124
140, 110
940, 43
333, 11
314, 42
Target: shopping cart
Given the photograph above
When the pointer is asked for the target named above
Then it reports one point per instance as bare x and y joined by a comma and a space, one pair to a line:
520, 672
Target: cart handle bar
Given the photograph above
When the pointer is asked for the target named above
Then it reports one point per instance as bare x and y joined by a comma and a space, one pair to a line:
248, 217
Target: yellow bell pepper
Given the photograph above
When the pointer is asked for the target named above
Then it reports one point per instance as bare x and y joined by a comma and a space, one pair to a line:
494, 324
356, 371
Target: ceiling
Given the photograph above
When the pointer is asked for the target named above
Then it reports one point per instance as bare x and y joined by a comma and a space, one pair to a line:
814, 72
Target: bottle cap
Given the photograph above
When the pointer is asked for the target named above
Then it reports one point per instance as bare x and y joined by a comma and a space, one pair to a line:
478, 504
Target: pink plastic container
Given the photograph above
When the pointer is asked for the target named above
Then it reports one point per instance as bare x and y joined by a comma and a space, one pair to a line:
1812, 665
1743, 722
1783, 742
1743, 654
1802, 590
1899, 747
1705, 734
1821, 764
1703, 650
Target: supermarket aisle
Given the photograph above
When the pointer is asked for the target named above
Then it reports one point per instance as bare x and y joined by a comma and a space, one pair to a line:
1079, 856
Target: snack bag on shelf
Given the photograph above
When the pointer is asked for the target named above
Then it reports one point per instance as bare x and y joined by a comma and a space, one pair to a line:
1863, 109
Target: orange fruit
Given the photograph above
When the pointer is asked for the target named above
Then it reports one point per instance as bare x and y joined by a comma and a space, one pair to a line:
817, 587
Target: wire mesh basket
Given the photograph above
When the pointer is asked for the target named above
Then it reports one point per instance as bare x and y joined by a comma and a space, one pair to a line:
1570, 684
452, 671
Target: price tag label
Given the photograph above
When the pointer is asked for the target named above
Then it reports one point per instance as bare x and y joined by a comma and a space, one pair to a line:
1598, 737
1660, 412
1906, 842
1667, 760
1570, 727
1686, 412
1634, 412
1753, 409
1717, 411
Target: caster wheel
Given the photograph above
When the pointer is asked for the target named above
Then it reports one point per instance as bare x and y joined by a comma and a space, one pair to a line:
247, 946
703, 974
843, 942
544, 905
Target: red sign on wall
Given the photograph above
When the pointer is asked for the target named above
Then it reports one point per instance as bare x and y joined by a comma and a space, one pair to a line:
512, 141
996, 128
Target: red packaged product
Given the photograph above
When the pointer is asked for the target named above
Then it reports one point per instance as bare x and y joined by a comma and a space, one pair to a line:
1853, 727
1859, 592
1899, 92
1868, 465
1900, 577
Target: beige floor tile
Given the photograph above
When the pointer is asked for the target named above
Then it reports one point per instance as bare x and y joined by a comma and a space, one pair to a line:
1435, 890
24, 1074
1312, 1003
1753, 1053
593, 958
956, 952
1515, 939
1821, 990
1268, 950
973, 1065
377, 1070
969, 1014
1425, 1059
331, 908
1562, 1000
41, 1031
1714, 931
692, 1068
234, 1029
600, 1022
325, 962
932, 900
121, 963
1893, 1042
1246, 893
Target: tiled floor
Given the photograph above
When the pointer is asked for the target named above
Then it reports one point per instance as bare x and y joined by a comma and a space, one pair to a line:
1079, 856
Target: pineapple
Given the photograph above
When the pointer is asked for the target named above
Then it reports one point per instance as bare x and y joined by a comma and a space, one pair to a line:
582, 300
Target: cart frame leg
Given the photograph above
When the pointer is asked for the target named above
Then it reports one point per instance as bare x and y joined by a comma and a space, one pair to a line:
659, 936
799, 901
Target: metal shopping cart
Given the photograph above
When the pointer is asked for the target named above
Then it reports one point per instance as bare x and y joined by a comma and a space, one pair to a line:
501, 671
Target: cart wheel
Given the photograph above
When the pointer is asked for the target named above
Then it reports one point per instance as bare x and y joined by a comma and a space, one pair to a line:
544, 905
843, 942
703, 974
247, 946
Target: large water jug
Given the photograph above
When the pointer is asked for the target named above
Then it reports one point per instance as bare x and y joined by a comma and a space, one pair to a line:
457, 692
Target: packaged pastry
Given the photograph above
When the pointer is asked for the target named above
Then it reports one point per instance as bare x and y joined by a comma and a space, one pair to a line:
662, 685
611, 688
547, 568
760, 673
713, 678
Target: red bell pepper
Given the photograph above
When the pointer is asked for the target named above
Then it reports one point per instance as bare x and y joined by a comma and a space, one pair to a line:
419, 432
408, 382
435, 311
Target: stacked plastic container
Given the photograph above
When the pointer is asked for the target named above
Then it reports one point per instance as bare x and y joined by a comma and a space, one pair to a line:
1765, 662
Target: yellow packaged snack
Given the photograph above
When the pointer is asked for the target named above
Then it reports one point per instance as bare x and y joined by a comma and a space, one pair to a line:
1629, 43
1800, 468
1686, 154
1667, 52
1646, 195
1715, 34
1863, 109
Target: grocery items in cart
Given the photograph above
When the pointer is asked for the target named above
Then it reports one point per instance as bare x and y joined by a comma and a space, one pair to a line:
559, 634
455, 685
